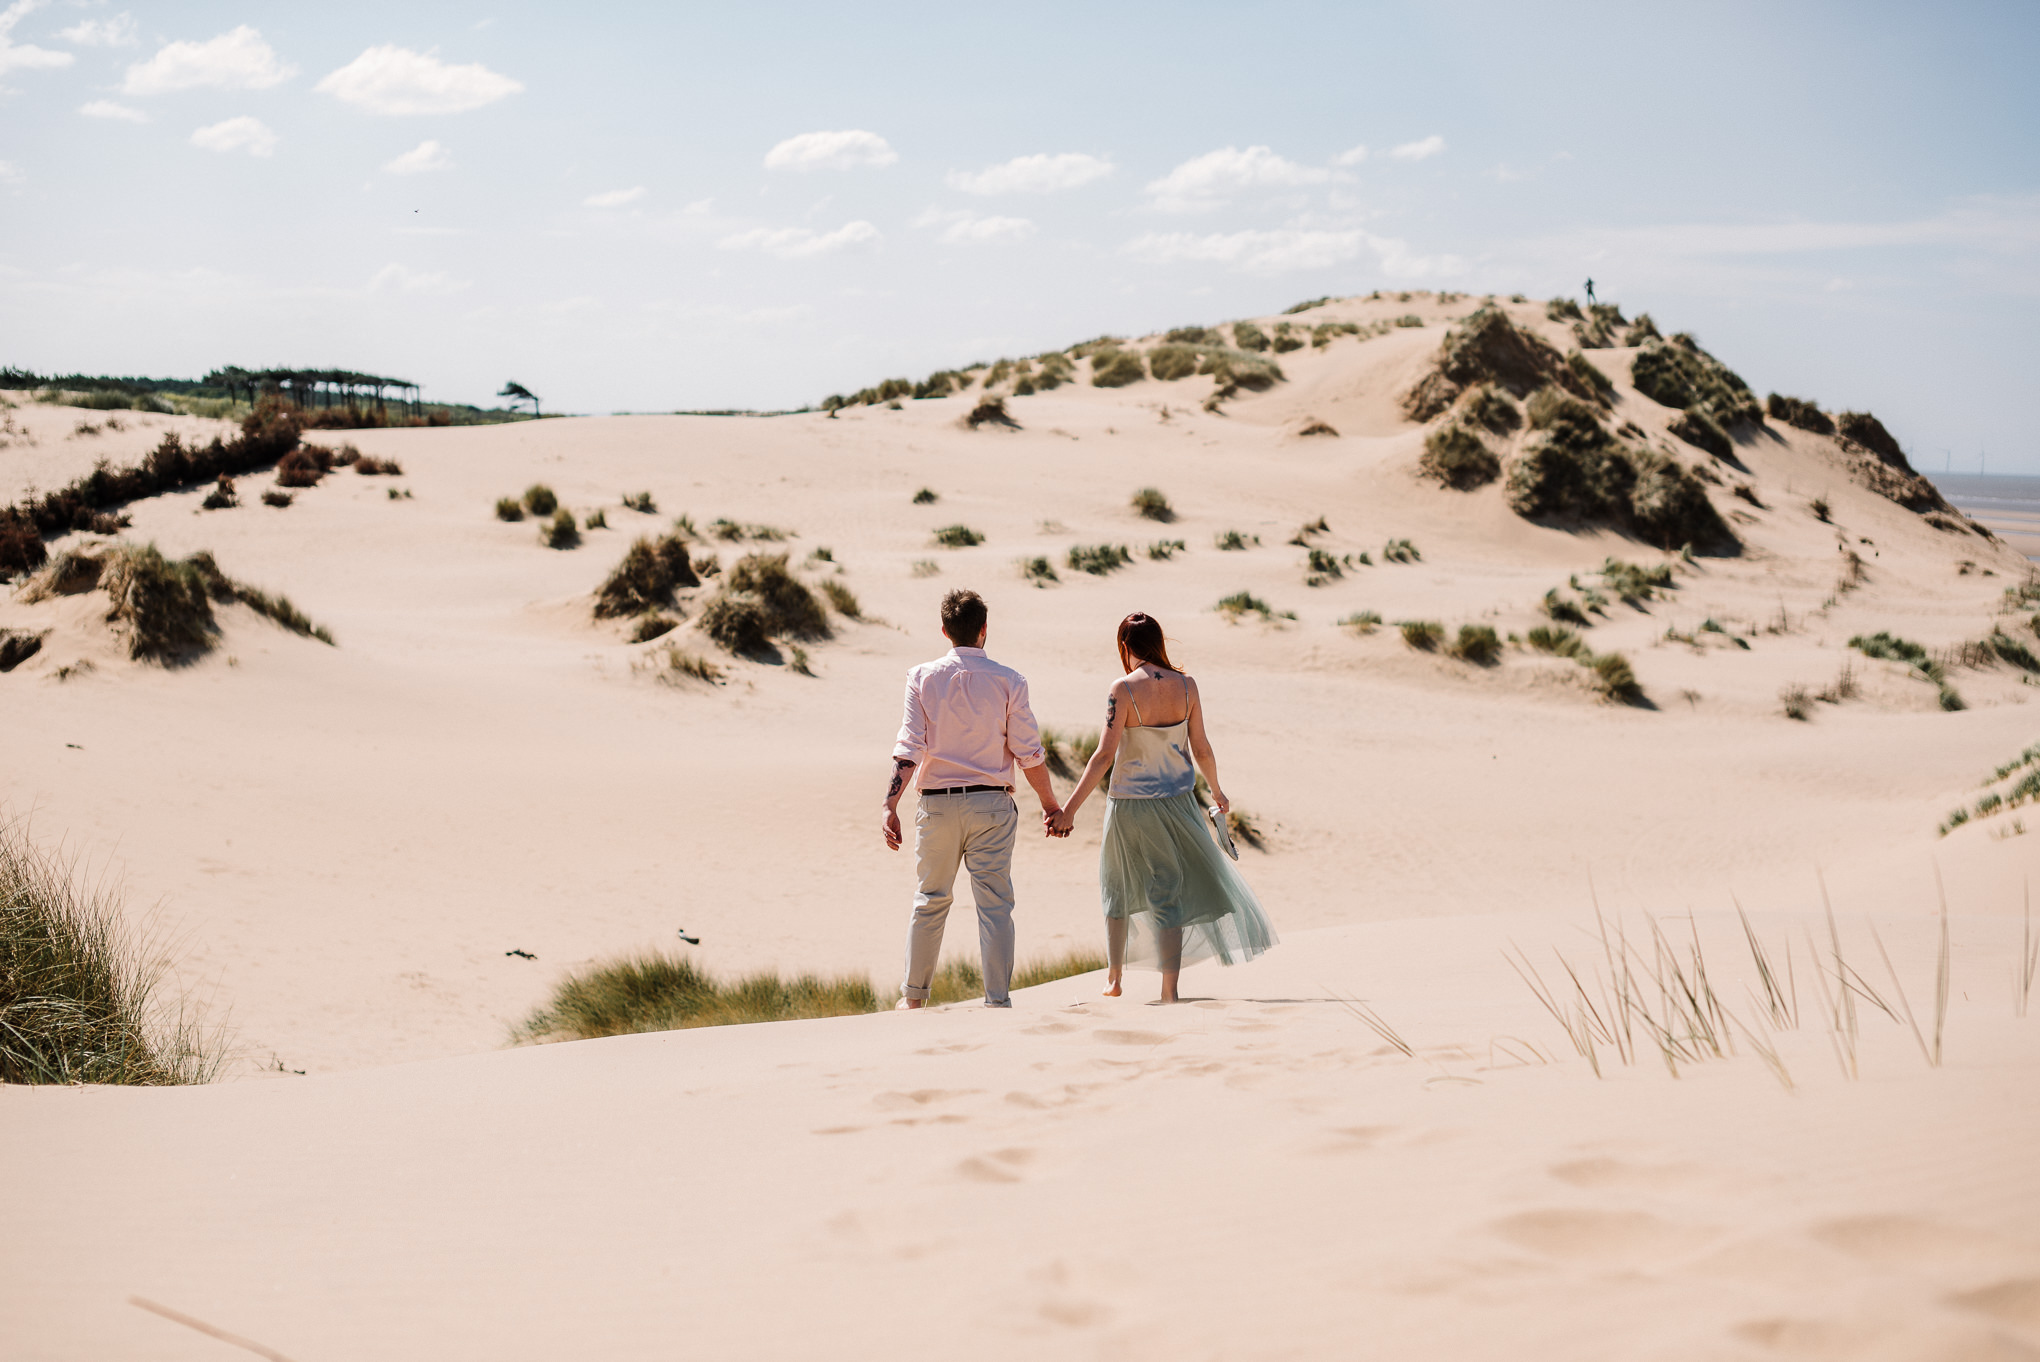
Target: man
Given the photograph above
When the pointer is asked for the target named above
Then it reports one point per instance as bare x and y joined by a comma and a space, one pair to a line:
967, 725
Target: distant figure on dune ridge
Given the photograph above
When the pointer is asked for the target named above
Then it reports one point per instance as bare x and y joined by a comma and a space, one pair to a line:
1590, 293
967, 724
1171, 896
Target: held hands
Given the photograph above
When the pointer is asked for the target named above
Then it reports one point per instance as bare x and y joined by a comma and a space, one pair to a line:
1059, 822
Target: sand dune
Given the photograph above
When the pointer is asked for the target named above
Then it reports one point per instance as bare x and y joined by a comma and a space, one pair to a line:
347, 841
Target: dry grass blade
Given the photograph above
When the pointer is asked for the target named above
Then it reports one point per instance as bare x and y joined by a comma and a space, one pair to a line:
1782, 1005
1841, 1039
1941, 971
1767, 1050
1374, 1023
1903, 1002
2029, 956
1576, 1026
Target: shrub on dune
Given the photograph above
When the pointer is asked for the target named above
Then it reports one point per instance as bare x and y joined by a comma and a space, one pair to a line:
1116, 368
1487, 406
163, 605
1615, 678
1702, 431
560, 532
1488, 348
509, 508
1478, 644
1247, 336
651, 570
540, 500
736, 622
653, 627
1423, 635
1799, 413
788, 608
958, 537
1150, 502
1458, 458
1170, 362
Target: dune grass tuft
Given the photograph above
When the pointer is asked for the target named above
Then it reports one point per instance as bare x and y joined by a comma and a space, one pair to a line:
1098, 559
844, 599
1478, 644
1361, 621
509, 508
1232, 541
926, 497
560, 532
1162, 550
657, 991
646, 578
672, 664
77, 996
1423, 635
790, 609
641, 502
164, 604
653, 626
958, 537
1150, 502
1458, 458
540, 499
1247, 603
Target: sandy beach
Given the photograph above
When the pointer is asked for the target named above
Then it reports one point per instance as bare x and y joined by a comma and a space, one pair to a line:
339, 847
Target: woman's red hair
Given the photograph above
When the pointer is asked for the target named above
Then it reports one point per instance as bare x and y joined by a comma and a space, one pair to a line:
1140, 636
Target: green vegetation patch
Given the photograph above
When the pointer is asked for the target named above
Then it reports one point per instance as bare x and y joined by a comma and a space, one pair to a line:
1488, 348
1098, 559
1457, 457
651, 570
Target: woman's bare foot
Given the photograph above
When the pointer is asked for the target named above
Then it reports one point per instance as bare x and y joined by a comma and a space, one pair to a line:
1112, 988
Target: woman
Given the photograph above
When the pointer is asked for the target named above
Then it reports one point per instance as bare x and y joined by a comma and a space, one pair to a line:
1171, 896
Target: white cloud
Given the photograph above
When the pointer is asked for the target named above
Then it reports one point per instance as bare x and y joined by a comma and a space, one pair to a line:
615, 198
976, 230
119, 31
247, 134
800, 243
236, 60
845, 150
106, 108
1285, 251
1351, 156
395, 81
1209, 180
25, 57
398, 279
427, 156
1417, 151
963, 227
10, 173
1038, 174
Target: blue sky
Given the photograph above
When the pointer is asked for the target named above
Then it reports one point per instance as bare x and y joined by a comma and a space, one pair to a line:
653, 207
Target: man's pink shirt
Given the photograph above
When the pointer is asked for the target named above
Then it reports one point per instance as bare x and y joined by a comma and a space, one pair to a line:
967, 722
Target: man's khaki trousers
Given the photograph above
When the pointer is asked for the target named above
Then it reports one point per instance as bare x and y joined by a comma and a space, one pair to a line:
976, 833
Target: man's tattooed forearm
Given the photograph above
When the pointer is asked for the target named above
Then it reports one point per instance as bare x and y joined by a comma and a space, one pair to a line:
899, 777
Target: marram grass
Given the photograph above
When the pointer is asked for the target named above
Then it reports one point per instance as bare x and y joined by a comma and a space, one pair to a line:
655, 991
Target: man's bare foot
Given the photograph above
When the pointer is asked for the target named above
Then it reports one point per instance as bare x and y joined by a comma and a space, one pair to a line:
908, 1005
1112, 989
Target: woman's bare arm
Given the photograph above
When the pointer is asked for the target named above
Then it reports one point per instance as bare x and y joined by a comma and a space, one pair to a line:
1200, 750
1101, 760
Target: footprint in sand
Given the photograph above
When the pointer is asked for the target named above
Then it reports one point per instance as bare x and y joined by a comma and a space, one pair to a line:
1585, 1235
2016, 1300
1904, 1241
907, 1101
1615, 1173
1130, 1037
995, 1167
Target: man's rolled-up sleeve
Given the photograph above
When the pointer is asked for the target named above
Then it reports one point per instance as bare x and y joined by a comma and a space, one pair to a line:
1023, 735
912, 743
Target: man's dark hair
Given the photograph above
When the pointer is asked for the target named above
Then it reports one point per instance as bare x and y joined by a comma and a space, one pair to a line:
963, 617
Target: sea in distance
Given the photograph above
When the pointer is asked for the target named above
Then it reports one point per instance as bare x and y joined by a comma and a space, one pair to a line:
2008, 503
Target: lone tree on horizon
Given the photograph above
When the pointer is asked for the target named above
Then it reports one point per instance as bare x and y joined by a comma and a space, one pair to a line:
517, 392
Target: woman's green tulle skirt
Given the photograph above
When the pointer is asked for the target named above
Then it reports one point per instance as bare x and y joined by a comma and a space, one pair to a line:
1162, 872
